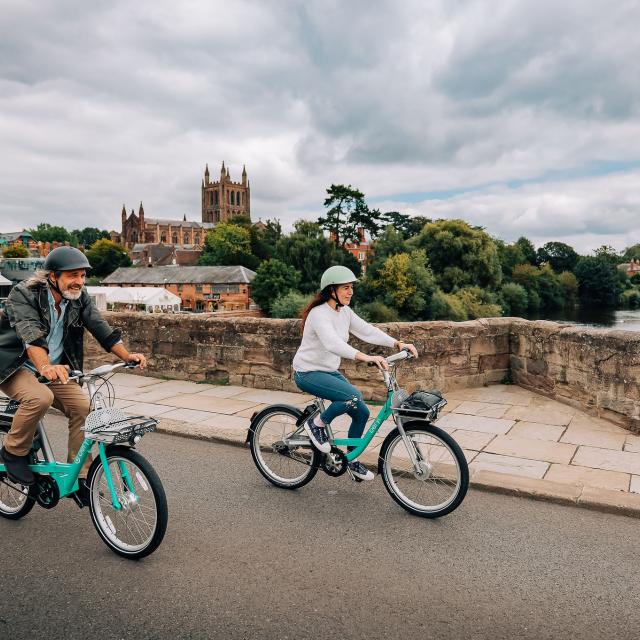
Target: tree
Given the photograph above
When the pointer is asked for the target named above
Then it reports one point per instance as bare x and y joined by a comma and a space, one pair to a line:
559, 255
407, 225
460, 255
273, 280
631, 253
509, 255
609, 255
599, 282
106, 256
87, 236
347, 213
406, 284
528, 250
289, 305
228, 244
16, 251
389, 243
515, 298
45, 232
263, 240
310, 253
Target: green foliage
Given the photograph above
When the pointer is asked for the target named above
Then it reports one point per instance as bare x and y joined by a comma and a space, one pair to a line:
631, 253
509, 255
289, 305
273, 280
630, 299
389, 243
16, 251
478, 303
460, 255
609, 255
446, 306
347, 213
406, 225
45, 232
543, 286
406, 283
310, 253
377, 311
516, 300
87, 236
599, 281
228, 244
570, 287
528, 250
559, 255
263, 240
106, 256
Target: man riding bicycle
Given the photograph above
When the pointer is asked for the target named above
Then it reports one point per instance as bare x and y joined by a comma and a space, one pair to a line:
41, 333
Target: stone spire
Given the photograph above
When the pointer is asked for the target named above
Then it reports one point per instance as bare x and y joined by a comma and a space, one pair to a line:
244, 176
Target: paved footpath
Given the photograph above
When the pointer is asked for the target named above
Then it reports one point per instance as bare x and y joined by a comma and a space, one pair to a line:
515, 441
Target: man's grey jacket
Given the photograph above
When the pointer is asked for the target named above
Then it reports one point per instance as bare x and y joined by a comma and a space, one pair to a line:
25, 320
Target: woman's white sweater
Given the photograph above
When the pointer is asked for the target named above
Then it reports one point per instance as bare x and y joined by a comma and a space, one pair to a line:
325, 336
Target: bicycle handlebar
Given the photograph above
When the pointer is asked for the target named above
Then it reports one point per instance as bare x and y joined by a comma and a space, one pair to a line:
404, 354
102, 370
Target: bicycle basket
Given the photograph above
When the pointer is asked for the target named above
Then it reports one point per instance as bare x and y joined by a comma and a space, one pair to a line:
422, 404
112, 425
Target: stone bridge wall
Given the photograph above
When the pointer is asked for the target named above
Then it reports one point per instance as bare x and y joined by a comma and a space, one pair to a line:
597, 370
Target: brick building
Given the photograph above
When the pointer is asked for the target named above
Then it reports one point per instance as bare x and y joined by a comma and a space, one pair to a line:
199, 288
224, 198
360, 250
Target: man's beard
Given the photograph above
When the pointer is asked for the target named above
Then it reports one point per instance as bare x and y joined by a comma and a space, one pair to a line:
71, 294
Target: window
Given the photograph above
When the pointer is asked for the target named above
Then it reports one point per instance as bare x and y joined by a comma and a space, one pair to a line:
238, 198
196, 239
361, 256
163, 237
198, 288
210, 197
174, 238
216, 197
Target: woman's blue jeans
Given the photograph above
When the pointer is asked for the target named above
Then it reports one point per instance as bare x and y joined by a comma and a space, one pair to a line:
345, 398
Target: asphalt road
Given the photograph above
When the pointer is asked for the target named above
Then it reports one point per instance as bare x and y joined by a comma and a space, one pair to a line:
335, 559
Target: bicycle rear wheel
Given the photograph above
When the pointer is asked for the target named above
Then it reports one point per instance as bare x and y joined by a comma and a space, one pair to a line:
284, 466
138, 527
16, 500
440, 482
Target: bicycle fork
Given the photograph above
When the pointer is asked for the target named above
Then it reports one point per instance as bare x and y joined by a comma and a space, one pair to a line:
115, 502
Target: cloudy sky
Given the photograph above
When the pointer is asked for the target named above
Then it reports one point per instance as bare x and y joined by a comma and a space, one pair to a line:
521, 116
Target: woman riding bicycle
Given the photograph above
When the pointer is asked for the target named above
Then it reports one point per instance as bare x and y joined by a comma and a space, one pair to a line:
327, 322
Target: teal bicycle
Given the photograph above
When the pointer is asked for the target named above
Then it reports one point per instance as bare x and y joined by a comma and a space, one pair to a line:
127, 501
423, 468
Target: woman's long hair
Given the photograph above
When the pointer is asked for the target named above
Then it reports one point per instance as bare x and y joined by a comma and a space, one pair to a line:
320, 298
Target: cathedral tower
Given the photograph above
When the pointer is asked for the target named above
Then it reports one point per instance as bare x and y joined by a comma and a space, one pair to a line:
223, 199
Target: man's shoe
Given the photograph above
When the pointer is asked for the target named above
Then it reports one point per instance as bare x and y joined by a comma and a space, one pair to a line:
360, 471
81, 496
17, 468
318, 436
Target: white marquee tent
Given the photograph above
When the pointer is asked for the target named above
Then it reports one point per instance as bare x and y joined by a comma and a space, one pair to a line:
149, 299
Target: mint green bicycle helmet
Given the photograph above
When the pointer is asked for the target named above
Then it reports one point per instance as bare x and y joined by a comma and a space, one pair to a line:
336, 275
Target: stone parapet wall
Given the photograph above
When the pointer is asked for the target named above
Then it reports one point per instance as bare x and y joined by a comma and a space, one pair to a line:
597, 370
257, 352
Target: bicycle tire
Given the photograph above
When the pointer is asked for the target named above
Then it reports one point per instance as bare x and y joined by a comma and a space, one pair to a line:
113, 525
407, 487
274, 464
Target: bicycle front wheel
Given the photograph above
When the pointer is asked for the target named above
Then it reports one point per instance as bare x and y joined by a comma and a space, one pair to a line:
437, 483
137, 528
288, 467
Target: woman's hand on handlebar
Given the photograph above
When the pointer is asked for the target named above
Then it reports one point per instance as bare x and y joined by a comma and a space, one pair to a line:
409, 347
378, 361
53, 372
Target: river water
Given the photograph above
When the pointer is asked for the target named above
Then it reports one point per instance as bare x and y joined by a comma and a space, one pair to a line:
626, 319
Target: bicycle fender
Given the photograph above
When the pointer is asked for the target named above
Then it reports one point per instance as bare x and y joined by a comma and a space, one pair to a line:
256, 417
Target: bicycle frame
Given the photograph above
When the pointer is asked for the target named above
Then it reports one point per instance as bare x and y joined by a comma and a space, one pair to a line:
66, 474
360, 444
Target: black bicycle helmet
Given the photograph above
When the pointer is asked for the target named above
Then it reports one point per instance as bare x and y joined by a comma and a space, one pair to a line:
66, 259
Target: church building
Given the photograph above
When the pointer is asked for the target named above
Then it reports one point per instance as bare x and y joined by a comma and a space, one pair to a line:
221, 200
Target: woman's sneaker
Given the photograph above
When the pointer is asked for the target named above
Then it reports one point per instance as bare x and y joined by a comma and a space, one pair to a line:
360, 471
318, 436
